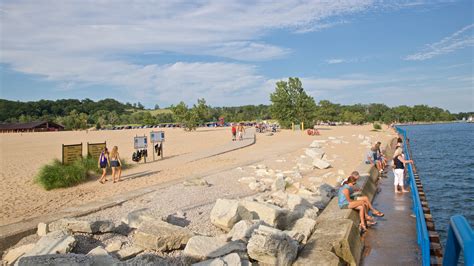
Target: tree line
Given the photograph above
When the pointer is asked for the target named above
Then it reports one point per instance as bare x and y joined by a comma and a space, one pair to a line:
289, 104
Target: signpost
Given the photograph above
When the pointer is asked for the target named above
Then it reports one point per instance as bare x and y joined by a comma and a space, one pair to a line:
140, 142
94, 149
157, 137
71, 153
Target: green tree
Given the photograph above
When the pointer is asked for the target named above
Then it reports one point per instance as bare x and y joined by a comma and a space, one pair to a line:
291, 104
202, 111
327, 111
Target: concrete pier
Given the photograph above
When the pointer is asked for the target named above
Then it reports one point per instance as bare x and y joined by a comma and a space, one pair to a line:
393, 240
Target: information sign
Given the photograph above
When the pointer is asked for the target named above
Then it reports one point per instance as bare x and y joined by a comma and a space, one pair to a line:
94, 149
157, 136
140, 143
72, 153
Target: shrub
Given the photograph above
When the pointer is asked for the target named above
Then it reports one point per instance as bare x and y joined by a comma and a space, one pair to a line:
377, 126
57, 175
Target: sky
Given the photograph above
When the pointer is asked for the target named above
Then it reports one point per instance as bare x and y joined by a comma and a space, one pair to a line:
233, 52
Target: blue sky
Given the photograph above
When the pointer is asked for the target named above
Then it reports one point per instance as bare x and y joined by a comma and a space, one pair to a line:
232, 52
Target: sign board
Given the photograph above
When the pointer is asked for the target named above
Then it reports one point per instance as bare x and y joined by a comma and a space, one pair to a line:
157, 136
94, 149
72, 153
140, 142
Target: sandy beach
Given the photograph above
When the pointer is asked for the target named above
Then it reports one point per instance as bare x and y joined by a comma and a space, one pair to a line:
22, 155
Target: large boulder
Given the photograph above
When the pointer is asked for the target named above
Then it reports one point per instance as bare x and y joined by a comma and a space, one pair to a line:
321, 164
272, 246
83, 226
314, 153
13, 254
162, 236
226, 213
100, 256
270, 214
57, 242
205, 247
305, 227
135, 218
243, 230
128, 252
339, 236
56, 259
232, 259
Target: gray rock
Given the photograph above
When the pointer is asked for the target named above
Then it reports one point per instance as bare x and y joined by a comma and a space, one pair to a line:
272, 246
314, 153
57, 242
243, 230
232, 259
320, 164
100, 256
129, 252
145, 260
226, 213
136, 217
56, 260
43, 229
83, 226
204, 247
305, 227
12, 255
279, 183
162, 236
270, 214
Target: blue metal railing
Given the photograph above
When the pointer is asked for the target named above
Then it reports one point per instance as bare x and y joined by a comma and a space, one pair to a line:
421, 229
460, 237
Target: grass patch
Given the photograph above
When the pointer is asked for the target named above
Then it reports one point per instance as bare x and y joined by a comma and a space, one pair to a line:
57, 175
377, 126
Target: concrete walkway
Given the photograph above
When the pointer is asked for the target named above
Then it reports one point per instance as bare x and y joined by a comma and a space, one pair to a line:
393, 240
10, 234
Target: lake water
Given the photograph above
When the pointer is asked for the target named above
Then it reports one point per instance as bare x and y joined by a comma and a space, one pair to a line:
444, 157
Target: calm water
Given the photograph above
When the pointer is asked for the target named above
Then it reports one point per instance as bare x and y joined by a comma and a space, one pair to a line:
444, 157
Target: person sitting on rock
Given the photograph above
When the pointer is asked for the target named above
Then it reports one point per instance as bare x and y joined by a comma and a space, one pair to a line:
357, 195
345, 202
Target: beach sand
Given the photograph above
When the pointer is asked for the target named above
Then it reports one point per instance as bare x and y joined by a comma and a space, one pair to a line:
22, 155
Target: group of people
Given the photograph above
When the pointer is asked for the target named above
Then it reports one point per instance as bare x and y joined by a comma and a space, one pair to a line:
376, 157
349, 195
111, 160
238, 131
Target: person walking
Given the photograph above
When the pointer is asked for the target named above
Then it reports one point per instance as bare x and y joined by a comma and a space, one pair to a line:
399, 171
116, 164
234, 132
103, 163
241, 131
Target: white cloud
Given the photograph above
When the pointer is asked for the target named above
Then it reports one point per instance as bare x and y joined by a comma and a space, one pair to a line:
335, 61
82, 42
461, 39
